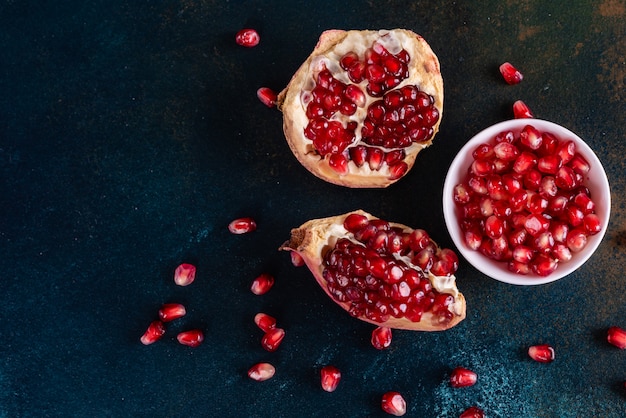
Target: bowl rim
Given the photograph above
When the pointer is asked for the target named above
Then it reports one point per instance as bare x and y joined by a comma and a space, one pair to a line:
497, 270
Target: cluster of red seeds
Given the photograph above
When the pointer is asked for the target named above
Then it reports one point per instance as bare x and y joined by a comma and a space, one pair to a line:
524, 201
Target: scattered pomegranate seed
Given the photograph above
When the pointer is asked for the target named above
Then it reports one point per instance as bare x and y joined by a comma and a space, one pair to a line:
394, 404
541, 353
462, 377
521, 110
272, 339
617, 337
155, 331
510, 73
247, 38
330, 378
242, 226
267, 96
261, 372
262, 284
296, 259
264, 321
472, 412
381, 338
185, 274
172, 311
191, 338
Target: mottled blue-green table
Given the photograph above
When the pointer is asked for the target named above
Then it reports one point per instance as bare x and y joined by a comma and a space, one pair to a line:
130, 135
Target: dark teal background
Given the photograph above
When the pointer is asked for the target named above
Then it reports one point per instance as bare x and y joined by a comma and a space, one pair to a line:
130, 135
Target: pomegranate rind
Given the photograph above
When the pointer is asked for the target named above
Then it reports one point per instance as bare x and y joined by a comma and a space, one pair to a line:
314, 237
425, 72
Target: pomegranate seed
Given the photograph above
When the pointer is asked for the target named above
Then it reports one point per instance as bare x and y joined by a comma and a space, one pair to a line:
155, 331
184, 274
462, 377
330, 377
549, 164
566, 151
566, 178
247, 38
541, 353
191, 338
296, 259
242, 226
544, 265
561, 252
510, 74
381, 338
339, 163
494, 226
521, 110
530, 137
617, 337
579, 164
261, 372
506, 151
272, 339
472, 412
394, 404
262, 284
524, 162
576, 240
264, 321
592, 223
171, 311
398, 170
267, 96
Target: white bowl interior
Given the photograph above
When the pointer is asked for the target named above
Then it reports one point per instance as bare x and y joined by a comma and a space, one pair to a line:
596, 181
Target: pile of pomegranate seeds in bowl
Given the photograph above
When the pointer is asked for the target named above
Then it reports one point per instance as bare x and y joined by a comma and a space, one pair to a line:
526, 201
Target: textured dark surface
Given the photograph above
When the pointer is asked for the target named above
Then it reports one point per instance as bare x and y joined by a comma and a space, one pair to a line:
130, 135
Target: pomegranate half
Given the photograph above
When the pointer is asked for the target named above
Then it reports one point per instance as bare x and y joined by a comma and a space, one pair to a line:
363, 105
381, 272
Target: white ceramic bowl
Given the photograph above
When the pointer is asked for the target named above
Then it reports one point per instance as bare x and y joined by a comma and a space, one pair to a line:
596, 182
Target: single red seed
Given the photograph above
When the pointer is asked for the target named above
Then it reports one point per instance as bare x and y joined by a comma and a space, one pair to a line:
381, 338
393, 403
267, 96
510, 74
172, 311
592, 223
247, 38
184, 274
262, 284
272, 339
264, 321
472, 412
530, 137
576, 240
339, 163
191, 338
521, 110
541, 353
617, 336
242, 226
296, 259
261, 372
330, 377
155, 331
462, 377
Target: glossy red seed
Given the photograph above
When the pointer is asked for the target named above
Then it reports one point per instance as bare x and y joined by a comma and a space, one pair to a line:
381, 338
247, 38
267, 96
521, 110
330, 378
544, 265
393, 403
261, 372
592, 223
462, 377
264, 321
155, 331
617, 336
541, 353
339, 163
524, 162
530, 137
576, 240
472, 412
262, 284
510, 74
191, 338
549, 164
172, 311
579, 164
272, 339
493, 227
296, 259
184, 274
242, 226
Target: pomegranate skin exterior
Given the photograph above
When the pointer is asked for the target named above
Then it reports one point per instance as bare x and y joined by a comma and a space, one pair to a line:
315, 238
341, 167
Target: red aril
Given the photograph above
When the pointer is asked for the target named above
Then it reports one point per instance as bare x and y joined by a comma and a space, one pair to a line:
247, 38
267, 96
191, 338
261, 372
242, 226
510, 74
617, 336
521, 110
264, 321
394, 404
155, 331
172, 311
272, 339
381, 337
330, 378
462, 377
363, 105
185, 274
472, 412
296, 259
541, 353
381, 272
262, 284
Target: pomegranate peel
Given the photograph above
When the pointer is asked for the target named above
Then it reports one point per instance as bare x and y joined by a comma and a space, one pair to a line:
341, 161
433, 303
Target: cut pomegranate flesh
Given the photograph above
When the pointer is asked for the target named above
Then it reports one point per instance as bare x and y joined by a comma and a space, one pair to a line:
617, 337
462, 377
185, 274
381, 272
393, 403
261, 372
363, 105
247, 38
155, 331
535, 212
330, 378
543, 353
